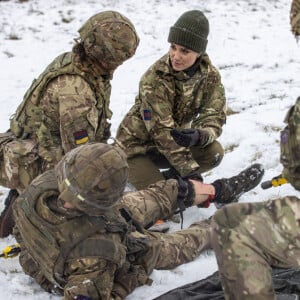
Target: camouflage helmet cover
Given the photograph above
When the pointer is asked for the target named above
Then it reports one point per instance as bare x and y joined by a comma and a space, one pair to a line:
92, 176
109, 37
295, 17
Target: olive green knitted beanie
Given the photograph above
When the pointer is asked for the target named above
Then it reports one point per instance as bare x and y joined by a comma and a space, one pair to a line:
191, 31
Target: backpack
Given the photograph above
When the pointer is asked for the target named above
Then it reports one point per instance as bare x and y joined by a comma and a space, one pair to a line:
290, 146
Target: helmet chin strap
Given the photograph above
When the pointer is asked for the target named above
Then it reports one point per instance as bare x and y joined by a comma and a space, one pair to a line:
73, 190
67, 182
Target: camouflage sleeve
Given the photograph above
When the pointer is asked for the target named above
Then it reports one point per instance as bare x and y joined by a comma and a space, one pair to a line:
156, 111
70, 105
158, 201
213, 111
91, 277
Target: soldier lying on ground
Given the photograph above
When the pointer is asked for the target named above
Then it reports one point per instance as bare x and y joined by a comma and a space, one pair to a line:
81, 235
66, 106
248, 238
179, 111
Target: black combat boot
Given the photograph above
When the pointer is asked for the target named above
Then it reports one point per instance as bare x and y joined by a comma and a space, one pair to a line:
7, 222
229, 190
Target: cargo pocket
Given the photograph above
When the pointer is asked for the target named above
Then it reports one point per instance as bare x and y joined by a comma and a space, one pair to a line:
4, 139
21, 163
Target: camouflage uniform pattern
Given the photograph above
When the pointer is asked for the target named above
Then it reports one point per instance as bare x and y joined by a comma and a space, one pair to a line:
248, 238
159, 201
68, 104
94, 257
65, 107
290, 146
295, 17
111, 35
92, 177
21, 164
167, 100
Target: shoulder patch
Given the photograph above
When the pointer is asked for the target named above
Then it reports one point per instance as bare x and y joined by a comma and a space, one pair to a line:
147, 114
81, 137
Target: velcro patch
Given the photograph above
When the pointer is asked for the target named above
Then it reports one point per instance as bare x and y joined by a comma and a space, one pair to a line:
81, 137
147, 114
284, 137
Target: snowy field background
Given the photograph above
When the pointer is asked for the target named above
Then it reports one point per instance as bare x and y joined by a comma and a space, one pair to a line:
251, 44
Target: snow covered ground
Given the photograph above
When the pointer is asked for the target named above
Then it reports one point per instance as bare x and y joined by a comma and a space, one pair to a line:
251, 44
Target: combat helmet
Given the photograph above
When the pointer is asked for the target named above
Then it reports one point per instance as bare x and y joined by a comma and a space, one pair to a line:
92, 177
109, 37
295, 17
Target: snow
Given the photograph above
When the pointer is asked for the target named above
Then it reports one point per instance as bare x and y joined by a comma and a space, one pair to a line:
251, 44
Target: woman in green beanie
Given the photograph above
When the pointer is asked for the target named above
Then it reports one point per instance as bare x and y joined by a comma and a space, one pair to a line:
179, 111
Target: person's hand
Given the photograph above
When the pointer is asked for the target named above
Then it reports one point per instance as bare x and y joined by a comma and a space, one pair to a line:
190, 137
185, 137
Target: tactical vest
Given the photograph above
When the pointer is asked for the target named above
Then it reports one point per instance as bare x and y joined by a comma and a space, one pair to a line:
29, 116
290, 146
49, 245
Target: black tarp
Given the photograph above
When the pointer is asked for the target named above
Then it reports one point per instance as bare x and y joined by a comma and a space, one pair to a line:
286, 284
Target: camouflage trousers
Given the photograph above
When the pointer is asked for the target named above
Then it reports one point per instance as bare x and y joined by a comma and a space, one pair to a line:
248, 238
175, 248
145, 169
182, 246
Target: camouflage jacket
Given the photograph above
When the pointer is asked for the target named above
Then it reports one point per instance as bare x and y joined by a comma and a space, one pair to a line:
67, 105
169, 99
103, 258
290, 146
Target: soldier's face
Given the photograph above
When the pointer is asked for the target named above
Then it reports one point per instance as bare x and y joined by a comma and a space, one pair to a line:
181, 57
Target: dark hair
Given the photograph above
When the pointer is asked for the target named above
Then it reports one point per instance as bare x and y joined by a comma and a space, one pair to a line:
78, 50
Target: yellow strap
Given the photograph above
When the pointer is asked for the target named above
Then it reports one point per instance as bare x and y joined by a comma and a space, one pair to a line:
11, 251
279, 181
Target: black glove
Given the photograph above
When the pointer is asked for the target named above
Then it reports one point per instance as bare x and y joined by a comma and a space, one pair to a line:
203, 137
196, 175
186, 193
170, 173
189, 137
186, 137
